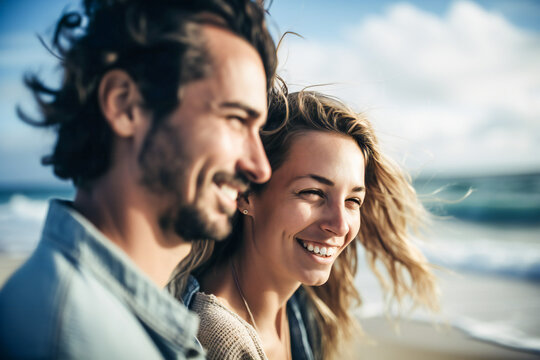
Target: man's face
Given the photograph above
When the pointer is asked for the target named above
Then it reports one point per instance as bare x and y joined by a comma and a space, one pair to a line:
207, 150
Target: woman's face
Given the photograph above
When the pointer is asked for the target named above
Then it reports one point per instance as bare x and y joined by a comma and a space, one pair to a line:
310, 209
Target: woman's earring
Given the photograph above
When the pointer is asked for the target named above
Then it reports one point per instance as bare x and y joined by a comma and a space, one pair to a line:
244, 211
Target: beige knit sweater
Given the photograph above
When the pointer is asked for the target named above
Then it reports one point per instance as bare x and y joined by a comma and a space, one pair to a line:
224, 334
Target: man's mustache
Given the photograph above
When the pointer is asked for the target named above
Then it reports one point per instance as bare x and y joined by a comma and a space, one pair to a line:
238, 180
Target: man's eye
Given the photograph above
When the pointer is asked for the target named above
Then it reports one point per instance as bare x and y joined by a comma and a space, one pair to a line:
237, 118
311, 193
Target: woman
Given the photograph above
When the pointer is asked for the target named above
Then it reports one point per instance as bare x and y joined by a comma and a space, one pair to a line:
290, 262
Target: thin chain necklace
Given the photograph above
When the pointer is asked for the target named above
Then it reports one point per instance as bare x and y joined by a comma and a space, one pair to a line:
235, 277
241, 293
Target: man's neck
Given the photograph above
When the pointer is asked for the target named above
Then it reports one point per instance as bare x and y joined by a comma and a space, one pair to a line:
124, 216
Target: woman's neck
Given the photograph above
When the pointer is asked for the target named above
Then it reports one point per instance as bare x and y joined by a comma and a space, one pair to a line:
265, 293
259, 292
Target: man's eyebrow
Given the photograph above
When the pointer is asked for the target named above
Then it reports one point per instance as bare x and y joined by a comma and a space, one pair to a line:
239, 105
328, 182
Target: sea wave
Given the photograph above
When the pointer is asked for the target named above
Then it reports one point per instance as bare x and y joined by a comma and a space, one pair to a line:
510, 199
509, 259
21, 220
25, 208
499, 333
479, 247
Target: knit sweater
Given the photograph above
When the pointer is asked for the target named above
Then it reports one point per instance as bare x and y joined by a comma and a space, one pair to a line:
224, 334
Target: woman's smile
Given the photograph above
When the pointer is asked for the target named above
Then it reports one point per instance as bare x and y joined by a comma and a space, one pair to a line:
318, 249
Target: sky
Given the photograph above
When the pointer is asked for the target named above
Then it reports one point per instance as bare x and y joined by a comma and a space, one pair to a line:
452, 87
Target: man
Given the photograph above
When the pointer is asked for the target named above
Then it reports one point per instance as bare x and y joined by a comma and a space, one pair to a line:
157, 118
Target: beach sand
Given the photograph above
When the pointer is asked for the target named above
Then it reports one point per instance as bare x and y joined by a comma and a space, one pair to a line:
495, 301
461, 294
8, 264
421, 341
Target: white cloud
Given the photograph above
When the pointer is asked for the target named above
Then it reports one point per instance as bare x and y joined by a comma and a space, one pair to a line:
464, 87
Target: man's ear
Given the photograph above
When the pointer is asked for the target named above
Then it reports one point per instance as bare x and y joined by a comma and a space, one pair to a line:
118, 95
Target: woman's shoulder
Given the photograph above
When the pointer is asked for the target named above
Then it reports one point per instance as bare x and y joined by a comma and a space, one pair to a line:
223, 333
211, 309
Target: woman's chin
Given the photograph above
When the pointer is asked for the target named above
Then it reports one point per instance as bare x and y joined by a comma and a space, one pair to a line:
316, 279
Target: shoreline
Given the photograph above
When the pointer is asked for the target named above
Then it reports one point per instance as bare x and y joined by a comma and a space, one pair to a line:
423, 341
431, 337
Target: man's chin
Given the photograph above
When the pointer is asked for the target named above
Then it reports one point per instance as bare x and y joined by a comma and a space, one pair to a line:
220, 226
193, 224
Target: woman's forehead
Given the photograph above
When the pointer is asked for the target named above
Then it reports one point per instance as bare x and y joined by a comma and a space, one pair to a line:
330, 155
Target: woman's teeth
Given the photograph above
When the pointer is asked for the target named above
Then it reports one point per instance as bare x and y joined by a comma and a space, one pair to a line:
319, 250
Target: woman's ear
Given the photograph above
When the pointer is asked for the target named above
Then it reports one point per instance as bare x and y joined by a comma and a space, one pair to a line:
118, 95
245, 204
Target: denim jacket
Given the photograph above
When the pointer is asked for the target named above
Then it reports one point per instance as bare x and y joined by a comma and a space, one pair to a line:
80, 297
301, 339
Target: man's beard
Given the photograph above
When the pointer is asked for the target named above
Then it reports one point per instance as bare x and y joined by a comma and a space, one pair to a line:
192, 223
164, 166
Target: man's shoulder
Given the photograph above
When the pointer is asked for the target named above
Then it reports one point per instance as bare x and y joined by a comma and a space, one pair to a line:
53, 306
31, 300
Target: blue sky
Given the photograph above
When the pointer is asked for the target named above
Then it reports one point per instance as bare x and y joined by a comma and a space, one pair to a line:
451, 86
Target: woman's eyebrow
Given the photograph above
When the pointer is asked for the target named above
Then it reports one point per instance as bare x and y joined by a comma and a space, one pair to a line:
317, 178
327, 181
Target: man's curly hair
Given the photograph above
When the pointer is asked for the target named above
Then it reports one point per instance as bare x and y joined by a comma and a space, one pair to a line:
159, 44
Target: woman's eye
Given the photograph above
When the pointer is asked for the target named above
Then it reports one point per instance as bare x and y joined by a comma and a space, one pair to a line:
356, 201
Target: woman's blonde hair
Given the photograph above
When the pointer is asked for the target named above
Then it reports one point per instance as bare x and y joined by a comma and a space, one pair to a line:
390, 210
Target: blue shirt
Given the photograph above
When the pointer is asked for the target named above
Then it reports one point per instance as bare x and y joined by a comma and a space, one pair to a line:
81, 297
301, 341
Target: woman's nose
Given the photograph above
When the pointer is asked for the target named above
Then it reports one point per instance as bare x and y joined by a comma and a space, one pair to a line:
335, 221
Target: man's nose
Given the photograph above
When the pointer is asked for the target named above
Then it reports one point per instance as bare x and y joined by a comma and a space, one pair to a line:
254, 164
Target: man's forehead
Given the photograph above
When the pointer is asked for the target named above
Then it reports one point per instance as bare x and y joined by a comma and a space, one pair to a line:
236, 80
225, 47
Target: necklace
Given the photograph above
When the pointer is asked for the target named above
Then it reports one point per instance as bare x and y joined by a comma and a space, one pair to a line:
246, 305
235, 277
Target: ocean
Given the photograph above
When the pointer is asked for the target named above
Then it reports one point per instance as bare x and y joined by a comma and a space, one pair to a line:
22, 213
482, 225
486, 224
